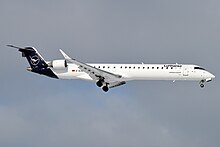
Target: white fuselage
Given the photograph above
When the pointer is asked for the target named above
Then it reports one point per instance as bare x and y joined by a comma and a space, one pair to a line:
141, 72
111, 75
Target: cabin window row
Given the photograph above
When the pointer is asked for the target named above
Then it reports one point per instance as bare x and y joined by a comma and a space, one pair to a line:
125, 67
134, 67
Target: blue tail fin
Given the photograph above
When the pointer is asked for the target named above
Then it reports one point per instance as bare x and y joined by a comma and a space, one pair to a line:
36, 61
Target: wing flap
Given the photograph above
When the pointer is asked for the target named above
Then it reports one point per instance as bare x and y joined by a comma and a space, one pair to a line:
116, 84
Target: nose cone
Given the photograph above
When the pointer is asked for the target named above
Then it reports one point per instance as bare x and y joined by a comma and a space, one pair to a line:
212, 76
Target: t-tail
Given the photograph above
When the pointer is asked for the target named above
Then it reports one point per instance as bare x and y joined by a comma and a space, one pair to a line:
36, 61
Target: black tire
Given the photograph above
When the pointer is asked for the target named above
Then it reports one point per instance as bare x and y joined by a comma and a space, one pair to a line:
105, 88
99, 83
202, 85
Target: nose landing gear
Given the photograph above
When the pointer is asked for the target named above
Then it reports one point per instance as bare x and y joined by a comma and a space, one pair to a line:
202, 83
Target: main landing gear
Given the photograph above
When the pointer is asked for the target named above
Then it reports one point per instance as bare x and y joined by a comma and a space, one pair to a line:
105, 88
99, 83
102, 84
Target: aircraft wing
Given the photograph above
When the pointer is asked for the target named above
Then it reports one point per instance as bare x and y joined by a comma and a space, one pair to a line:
113, 80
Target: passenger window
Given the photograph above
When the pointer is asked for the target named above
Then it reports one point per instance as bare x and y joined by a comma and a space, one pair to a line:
152, 67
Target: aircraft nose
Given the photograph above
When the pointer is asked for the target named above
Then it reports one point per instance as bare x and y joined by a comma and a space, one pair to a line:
213, 76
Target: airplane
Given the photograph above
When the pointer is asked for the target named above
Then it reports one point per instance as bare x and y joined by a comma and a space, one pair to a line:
108, 76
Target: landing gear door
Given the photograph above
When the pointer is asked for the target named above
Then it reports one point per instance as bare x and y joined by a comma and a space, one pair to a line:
185, 71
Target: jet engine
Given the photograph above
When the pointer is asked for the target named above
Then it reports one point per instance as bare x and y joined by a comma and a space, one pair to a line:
58, 64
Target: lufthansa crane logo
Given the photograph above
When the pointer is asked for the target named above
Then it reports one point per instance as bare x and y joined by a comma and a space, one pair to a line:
35, 60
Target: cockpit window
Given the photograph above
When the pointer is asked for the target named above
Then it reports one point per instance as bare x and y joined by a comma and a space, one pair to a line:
200, 68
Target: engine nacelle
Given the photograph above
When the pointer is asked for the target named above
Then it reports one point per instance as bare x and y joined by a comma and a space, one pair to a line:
58, 64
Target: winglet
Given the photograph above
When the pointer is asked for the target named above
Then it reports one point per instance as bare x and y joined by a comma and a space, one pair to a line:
65, 55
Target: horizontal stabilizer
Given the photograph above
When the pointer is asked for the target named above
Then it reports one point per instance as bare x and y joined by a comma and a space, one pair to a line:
22, 49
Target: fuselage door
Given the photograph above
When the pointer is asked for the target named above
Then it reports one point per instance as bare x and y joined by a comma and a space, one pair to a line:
185, 71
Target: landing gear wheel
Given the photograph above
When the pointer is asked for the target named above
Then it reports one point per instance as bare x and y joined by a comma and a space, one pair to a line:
202, 85
99, 83
105, 88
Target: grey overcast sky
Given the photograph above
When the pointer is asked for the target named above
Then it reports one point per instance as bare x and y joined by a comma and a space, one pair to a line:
38, 111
